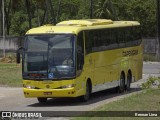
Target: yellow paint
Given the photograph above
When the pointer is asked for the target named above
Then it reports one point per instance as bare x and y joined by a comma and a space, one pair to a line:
99, 67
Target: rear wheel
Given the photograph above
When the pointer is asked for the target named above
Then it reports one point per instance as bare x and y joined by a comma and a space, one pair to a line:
121, 87
42, 100
86, 97
129, 79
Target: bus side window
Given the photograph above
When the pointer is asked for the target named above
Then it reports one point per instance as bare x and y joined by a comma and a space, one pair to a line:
80, 51
129, 37
88, 41
121, 36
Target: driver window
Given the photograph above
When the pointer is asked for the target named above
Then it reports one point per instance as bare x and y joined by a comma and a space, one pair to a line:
80, 52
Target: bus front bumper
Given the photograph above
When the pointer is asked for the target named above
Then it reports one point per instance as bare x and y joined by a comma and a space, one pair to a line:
49, 93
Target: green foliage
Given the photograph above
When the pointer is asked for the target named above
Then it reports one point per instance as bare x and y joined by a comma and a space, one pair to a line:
143, 11
19, 23
46, 12
105, 9
149, 57
10, 58
151, 82
83, 12
146, 100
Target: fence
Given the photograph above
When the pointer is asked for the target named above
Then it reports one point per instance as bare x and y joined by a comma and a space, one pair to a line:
11, 44
150, 45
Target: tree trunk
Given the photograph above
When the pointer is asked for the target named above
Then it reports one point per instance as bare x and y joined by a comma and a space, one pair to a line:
43, 19
1, 18
27, 3
47, 11
52, 12
91, 9
8, 20
58, 11
38, 16
158, 31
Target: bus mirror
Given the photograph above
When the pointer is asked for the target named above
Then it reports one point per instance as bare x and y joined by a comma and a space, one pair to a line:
18, 58
18, 55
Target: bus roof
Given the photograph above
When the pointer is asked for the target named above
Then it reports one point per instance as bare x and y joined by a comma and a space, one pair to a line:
75, 26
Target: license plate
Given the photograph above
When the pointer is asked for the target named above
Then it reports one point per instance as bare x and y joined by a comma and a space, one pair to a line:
47, 93
47, 82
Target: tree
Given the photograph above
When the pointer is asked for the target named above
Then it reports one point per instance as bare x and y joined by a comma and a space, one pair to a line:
84, 10
8, 9
39, 12
142, 11
105, 9
69, 9
53, 19
58, 10
1, 18
158, 31
27, 3
91, 8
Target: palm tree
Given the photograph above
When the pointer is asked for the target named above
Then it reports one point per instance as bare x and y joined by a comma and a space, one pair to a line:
105, 9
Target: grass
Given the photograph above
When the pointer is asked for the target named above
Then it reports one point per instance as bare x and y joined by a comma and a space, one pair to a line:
10, 74
149, 57
10, 58
152, 82
147, 100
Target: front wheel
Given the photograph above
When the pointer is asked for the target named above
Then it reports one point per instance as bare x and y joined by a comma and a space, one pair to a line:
86, 97
42, 100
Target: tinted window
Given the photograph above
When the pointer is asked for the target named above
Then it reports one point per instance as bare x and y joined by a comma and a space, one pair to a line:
88, 41
80, 51
112, 38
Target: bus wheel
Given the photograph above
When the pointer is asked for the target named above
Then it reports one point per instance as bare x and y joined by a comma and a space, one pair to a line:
122, 83
42, 100
129, 78
86, 97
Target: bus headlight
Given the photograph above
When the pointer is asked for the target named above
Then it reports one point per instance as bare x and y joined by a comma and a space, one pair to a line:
68, 86
28, 86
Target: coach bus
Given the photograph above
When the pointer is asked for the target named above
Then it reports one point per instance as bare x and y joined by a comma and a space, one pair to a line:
75, 58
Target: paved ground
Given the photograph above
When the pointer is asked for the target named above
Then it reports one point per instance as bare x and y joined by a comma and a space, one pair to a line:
12, 99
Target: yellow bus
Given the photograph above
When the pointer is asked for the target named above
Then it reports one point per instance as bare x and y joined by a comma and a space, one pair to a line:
78, 57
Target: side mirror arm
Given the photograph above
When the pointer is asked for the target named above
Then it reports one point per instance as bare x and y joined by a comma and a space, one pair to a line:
18, 55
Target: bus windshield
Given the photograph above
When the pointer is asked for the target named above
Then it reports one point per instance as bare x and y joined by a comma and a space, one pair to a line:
49, 57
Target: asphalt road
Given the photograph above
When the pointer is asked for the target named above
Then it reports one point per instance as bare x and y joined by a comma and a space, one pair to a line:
12, 99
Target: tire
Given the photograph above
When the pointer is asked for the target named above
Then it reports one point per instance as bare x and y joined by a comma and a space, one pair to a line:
42, 100
129, 79
121, 87
86, 97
